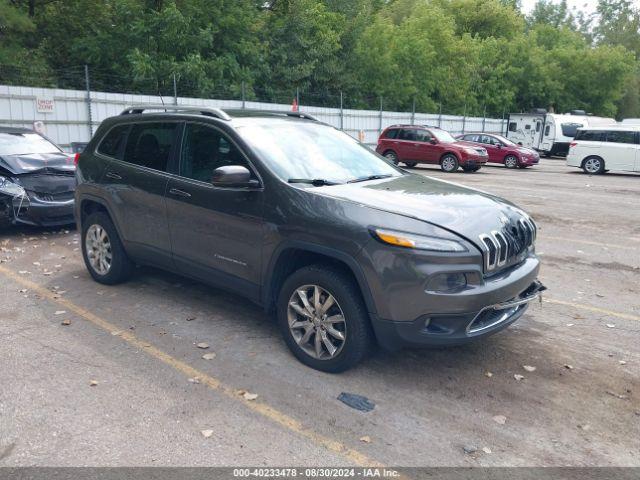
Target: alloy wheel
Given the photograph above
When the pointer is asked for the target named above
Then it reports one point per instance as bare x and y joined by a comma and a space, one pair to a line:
592, 165
316, 322
392, 156
448, 164
98, 247
511, 162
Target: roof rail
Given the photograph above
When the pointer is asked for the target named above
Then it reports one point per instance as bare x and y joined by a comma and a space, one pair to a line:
212, 112
287, 113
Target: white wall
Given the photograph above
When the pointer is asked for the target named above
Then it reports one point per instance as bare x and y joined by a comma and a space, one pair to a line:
69, 120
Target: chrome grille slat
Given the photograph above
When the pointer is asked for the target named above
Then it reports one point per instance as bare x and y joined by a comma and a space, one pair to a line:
501, 247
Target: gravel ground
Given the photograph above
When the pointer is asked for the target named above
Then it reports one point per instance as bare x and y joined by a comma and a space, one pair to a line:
154, 394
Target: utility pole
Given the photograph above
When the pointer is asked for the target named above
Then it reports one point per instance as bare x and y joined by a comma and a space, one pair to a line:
341, 111
88, 86
380, 118
244, 98
175, 90
413, 111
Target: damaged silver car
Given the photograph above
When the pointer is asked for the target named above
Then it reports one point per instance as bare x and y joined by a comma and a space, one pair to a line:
37, 180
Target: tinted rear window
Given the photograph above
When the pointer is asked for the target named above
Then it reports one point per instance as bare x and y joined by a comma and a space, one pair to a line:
616, 136
112, 144
392, 133
590, 135
150, 144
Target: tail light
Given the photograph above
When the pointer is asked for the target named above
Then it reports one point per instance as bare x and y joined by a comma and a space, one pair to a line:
573, 144
76, 157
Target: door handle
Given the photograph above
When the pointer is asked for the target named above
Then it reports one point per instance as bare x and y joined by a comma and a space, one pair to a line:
113, 176
179, 193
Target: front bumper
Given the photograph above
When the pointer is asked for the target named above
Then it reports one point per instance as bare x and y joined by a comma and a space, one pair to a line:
455, 329
530, 160
474, 161
30, 210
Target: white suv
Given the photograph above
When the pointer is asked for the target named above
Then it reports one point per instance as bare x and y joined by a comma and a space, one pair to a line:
599, 149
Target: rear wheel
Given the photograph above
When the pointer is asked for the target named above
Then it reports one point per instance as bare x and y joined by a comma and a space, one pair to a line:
511, 161
390, 155
410, 164
593, 165
102, 250
323, 319
449, 163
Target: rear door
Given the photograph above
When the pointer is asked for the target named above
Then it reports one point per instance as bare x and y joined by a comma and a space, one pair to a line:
216, 232
406, 144
621, 150
136, 178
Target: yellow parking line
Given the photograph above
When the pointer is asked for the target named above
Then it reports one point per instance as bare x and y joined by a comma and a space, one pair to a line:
586, 242
626, 316
213, 383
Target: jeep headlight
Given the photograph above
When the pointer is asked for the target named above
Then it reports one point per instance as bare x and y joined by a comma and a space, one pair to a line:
9, 188
419, 242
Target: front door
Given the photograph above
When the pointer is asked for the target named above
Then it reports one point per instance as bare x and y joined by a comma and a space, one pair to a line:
216, 232
493, 147
136, 177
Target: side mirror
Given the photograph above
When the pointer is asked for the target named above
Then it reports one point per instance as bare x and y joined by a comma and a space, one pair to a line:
499, 145
233, 176
433, 141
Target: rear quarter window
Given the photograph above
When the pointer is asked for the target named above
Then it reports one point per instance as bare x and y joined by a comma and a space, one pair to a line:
112, 145
590, 135
391, 133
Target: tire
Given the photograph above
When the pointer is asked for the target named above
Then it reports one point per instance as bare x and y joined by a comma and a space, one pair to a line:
470, 169
391, 155
410, 164
593, 165
511, 161
449, 163
358, 338
95, 229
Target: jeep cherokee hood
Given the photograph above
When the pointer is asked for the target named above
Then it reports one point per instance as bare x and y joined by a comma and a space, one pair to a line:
459, 209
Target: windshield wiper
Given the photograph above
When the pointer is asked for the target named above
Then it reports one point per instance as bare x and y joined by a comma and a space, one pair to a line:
370, 177
316, 182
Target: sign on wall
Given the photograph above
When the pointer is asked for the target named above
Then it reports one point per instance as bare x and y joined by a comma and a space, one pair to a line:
45, 105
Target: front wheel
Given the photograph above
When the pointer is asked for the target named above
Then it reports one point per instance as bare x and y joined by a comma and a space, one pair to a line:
391, 156
323, 319
102, 250
449, 163
511, 161
593, 165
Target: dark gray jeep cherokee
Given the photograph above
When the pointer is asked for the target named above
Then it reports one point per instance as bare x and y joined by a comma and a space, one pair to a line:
300, 218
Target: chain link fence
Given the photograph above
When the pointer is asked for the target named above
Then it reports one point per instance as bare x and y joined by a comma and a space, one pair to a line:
70, 116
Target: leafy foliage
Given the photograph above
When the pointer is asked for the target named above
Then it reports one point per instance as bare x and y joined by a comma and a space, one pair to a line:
473, 56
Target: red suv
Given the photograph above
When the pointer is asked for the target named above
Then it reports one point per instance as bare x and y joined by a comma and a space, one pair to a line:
502, 150
413, 144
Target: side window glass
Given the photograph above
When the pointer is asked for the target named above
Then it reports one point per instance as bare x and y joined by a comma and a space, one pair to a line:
423, 136
149, 145
513, 127
111, 145
538, 127
616, 136
203, 150
393, 133
547, 129
410, 135
527, 127
590, 135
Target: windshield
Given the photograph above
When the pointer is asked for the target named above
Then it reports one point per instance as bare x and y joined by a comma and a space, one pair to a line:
570, 129
443, 136
505, 140
22, 143
314, 151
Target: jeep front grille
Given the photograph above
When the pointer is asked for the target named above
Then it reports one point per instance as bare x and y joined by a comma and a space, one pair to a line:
500, 248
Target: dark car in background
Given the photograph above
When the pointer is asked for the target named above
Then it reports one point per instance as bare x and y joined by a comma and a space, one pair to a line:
295, 215
502, 150
37, 180
413, 144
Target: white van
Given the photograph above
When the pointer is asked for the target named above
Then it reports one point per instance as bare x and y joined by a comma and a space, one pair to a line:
600, 149
550, 133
